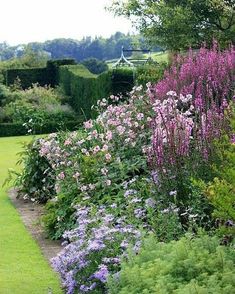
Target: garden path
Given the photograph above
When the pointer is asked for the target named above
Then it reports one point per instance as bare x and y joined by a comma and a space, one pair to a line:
23, 268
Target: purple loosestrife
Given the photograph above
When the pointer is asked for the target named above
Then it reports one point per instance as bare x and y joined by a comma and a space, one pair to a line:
183, 135
209, 76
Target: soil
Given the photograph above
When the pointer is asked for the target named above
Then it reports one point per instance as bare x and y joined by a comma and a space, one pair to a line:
30, 214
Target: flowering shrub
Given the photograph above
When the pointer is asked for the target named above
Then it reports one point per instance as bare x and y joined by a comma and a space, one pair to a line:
182, 139
95, 250
37, 180
135, 168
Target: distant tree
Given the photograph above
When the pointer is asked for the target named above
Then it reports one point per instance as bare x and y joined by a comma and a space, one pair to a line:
88, 47
95, 66
177, 24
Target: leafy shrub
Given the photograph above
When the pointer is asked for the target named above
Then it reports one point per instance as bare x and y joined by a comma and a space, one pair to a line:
39, 105
190, 265
27, 76
150, 73
38, 177
221, 190
18, 129
95, 65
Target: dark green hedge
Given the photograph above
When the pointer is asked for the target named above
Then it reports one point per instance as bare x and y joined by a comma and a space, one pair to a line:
17, 129
43, 76
27, 76
84, 87
53, 69
122, 80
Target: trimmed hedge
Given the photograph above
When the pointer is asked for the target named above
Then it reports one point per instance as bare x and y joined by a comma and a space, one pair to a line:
122, 80
53, 69
84, 87
17, 129
27, 76
43, 76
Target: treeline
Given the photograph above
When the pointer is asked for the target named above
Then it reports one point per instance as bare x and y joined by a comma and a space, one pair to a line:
99, 47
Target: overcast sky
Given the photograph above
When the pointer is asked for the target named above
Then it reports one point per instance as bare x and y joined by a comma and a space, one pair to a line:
24, 21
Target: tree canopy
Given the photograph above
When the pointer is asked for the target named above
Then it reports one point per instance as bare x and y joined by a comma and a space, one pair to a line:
178, 24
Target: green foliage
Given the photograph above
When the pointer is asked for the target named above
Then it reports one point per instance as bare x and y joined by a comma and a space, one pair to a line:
39, 104
53, 69
27, 76
37, 178
42, 75
17, 129
150, 73
180, 24
35, 110
122, 80
220, 190
190, 265
59, 216
84, 87
95, 66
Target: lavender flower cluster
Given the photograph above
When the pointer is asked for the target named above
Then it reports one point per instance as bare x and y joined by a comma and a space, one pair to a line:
94, 249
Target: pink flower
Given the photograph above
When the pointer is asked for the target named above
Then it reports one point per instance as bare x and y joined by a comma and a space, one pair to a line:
61, 176
104, 171
109, 135
76, 175
67, 142
96, 149
88, 124
121, 130
105, 148
233, 139
108, 156
140, 116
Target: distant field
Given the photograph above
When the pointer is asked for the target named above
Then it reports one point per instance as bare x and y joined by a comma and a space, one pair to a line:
156, 56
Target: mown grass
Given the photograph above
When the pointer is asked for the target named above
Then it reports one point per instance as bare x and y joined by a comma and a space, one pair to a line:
23, 269
156, 56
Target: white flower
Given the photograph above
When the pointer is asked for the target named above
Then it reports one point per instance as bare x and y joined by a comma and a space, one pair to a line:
171, 93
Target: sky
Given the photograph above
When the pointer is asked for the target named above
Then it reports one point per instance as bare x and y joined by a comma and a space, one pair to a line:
24, 21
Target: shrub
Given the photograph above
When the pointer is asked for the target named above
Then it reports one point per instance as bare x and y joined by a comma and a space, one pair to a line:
182, 142
221, 190
18, 129
38, 177
53, 69
190, 265
37, 104
150, 73
95, 66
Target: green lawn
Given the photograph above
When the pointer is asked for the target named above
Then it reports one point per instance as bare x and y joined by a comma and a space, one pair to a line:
23, 269
156, 56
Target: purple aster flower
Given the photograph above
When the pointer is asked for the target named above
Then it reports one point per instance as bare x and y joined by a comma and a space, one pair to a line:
102, 273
